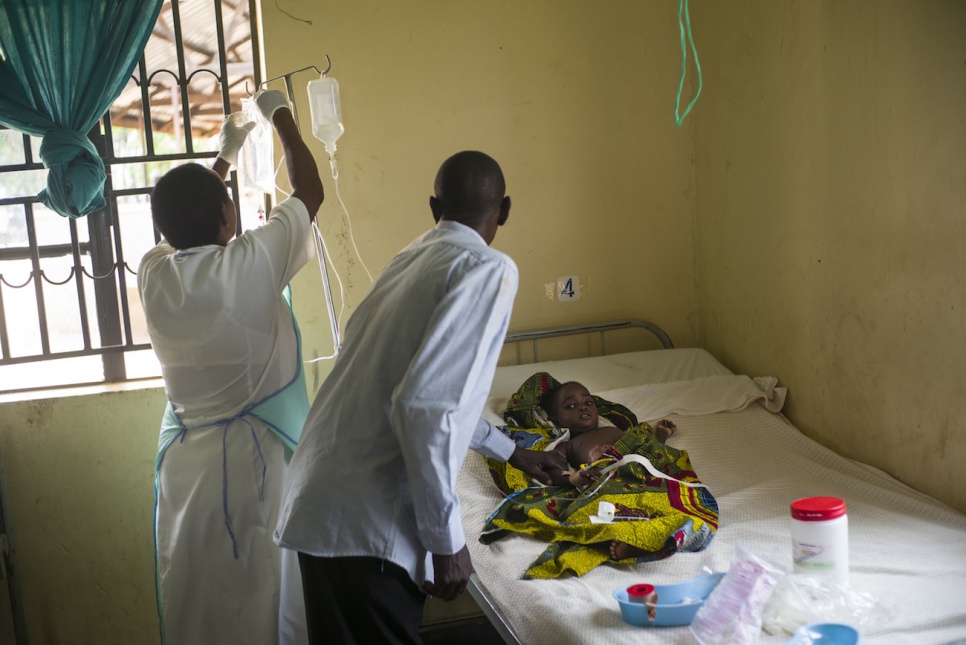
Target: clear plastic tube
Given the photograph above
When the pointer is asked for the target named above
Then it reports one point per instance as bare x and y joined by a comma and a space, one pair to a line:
348, 220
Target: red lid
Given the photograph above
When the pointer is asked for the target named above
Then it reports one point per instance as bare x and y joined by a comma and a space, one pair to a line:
817, 509
640, 590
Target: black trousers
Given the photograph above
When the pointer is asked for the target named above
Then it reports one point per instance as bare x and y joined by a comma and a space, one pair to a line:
360, 601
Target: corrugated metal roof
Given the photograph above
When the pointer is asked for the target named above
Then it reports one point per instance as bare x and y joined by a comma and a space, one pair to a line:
196, 23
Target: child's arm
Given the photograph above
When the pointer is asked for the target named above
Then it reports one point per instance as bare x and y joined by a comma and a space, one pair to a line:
584, 476
560, 476
664, 430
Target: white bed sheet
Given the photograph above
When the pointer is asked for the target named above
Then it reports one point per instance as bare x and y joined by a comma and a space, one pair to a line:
906, 549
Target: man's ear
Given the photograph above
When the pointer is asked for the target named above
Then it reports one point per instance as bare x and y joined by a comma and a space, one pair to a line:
504, 211
436, 208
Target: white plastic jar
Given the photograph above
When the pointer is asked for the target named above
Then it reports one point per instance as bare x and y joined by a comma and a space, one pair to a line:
820, 537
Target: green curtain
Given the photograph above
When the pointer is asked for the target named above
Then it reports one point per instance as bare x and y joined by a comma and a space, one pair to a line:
65, 61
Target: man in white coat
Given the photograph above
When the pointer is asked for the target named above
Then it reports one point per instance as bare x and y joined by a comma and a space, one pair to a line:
220, 320
372, 506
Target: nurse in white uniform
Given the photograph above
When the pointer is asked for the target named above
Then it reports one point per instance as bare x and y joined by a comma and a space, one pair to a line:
220, 320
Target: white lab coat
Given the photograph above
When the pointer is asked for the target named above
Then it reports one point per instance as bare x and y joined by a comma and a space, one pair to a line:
375, 471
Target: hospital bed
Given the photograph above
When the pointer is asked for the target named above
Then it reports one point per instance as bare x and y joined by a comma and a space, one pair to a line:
907, 550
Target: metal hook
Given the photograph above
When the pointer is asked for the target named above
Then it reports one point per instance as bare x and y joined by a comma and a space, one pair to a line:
287, 77
290, 74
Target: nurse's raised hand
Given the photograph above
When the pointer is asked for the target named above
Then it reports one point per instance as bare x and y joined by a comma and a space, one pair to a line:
232, 137
268, 101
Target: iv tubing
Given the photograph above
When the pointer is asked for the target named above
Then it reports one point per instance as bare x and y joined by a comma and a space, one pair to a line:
686, 12
321, 253
330, 307
319, 242
348, 221
335, 352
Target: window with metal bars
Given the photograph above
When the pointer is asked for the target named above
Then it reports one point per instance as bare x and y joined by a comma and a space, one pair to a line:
69, 309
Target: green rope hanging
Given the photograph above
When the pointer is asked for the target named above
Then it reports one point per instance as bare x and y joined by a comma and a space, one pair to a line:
684, 22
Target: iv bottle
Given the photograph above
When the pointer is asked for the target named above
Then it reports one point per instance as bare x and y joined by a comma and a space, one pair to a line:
326, 112
820, 537
256, 163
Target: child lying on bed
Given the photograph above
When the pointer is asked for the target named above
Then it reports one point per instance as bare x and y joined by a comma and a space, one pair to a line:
661, 506
571, 406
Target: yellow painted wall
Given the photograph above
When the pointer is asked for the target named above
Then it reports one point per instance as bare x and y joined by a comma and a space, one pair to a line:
80, 487
573, 99
830, 147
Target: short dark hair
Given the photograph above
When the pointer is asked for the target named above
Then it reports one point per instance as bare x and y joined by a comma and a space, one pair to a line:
469, 185
548, 400
186, 205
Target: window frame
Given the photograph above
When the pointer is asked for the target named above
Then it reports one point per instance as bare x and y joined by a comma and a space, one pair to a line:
110, 269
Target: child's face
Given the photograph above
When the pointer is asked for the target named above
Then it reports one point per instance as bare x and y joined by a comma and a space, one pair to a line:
574, 408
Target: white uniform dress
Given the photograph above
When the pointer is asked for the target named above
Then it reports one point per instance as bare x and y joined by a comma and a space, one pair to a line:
227, 341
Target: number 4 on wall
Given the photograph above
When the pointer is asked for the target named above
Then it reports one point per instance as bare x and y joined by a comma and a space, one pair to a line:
568, 288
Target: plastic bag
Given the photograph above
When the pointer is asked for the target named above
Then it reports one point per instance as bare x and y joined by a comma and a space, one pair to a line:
800, 599
732, 614
256, 163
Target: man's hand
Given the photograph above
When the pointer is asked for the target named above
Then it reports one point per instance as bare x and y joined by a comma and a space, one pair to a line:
270, 100
450, 573
538, 464
232, 137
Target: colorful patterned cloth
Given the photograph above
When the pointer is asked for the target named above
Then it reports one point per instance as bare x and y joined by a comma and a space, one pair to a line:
660, 510
529, 427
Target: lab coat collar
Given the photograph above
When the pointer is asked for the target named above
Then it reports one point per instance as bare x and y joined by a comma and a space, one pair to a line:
462, 230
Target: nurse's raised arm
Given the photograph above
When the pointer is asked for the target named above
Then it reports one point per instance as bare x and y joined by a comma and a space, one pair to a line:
303, 173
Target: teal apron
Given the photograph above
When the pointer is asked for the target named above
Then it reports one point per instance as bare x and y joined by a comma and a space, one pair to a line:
283, 413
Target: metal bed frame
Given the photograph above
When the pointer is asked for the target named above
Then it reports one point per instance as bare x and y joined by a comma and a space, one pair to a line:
475, 587
536, 335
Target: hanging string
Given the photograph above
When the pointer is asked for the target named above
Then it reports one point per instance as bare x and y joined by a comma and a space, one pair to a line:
279, 7
684, 23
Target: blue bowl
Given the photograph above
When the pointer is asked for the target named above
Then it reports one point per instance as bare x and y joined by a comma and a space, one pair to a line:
676, 603
825, 634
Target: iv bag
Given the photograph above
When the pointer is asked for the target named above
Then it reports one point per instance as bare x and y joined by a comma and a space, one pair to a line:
256, 163
326, 111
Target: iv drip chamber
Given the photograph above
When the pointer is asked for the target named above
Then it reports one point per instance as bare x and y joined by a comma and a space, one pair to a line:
326, 111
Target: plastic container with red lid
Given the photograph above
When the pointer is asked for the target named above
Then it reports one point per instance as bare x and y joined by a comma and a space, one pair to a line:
820, 537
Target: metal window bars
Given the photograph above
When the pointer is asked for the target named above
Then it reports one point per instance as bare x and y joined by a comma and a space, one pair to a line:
104, 310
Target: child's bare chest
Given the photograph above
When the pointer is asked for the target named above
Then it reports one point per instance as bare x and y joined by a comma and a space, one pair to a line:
581, 445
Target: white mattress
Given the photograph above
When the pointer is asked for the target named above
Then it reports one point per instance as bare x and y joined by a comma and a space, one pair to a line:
907, 550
